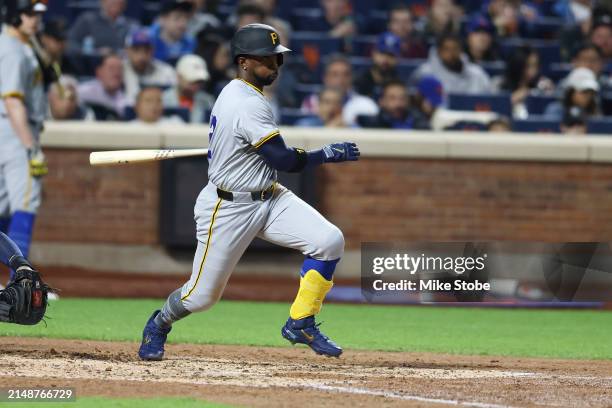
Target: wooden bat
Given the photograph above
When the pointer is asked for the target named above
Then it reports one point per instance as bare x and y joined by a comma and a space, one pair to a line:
117, 157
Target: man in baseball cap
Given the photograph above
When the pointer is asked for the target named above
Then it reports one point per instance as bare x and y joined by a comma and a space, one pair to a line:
140, 69
385, 58
192, 73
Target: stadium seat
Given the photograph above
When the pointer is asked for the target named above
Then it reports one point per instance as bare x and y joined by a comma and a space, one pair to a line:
558, 70
183, 113
499, 103
363, 45
600, 126
322, 42
494, 68
289, 116
536, 104
606, 103
303, 90
308, 19
536, 124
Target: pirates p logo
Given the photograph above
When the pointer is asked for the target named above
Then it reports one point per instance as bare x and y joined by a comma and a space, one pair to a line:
274, 37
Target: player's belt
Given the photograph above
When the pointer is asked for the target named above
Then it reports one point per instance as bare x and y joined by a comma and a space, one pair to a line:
262, 195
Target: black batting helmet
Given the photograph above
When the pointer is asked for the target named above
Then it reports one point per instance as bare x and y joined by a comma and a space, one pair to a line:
256, 39
11, 9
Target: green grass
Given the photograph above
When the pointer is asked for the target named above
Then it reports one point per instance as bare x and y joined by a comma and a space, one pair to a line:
94, 402
537, 333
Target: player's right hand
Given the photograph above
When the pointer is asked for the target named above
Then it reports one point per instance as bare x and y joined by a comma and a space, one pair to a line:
38, 163
340, 152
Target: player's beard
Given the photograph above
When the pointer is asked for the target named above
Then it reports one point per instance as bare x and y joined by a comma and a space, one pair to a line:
266, 80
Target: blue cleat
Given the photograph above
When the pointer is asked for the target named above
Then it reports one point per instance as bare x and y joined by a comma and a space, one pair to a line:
306, 331
153, 340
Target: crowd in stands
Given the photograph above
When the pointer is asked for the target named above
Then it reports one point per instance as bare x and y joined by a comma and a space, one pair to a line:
503, 65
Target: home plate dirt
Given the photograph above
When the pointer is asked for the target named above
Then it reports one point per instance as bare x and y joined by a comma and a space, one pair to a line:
270, 377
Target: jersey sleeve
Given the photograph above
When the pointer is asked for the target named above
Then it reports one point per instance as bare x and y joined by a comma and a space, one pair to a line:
256, 123
12, 75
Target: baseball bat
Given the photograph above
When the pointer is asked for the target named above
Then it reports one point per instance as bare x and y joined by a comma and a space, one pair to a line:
117, 157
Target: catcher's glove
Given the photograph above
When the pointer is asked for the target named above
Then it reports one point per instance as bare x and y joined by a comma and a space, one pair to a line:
24, 300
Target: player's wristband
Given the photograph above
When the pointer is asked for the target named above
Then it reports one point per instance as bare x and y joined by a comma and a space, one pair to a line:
301, 160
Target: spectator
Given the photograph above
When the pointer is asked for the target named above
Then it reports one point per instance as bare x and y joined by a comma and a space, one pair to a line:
64, 102
329, 112
339, 18
100, 32
448, 64
150, 109
200, 19
429, 100
601, 34
104, 94
282, 26
189, 93
590, 56
580, 99
339, 75
511, 17
395, 110
499, 125
170, 38
249, 13
215, 51
480, 40
401, 24
523, 78
140, 69
444, 18
574, 12
385, 59
53, 40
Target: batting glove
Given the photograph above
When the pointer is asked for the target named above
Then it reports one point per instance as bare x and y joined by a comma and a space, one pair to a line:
340, 152
38, 163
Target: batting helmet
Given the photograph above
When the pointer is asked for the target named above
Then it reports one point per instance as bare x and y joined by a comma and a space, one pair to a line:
257, 39
12, 9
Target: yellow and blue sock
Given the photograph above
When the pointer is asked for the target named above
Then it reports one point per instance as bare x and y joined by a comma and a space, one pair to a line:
315, 282
20, 231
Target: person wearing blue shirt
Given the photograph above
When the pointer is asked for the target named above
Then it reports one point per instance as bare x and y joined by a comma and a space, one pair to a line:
169, 35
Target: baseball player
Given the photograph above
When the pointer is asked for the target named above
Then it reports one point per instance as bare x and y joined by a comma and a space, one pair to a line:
243, 200
22, 111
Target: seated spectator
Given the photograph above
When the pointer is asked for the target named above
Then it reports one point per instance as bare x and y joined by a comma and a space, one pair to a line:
64, 102
444, 18
100, 32
384, 68
338, 18
429, 100
329, 112
53, 40
140, 69
105, 94
401, 24
451, 67
590, 56
580, 99
170, 38
511, 17
523, 78
215, 51
601, 34
499, 125
339, 75
577, 28
150, 109
481, 40
189, 93
395, 110
201, 19
282, 26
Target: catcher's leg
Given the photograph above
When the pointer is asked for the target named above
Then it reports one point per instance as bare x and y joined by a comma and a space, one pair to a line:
295, 224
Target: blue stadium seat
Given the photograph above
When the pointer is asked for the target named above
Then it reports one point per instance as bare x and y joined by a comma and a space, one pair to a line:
600, 126
183, 113
406, 67
308, 19
606, 103
303, 90
536, 124
494, 68
558, 70
536, 104
317, 42
499, 103
363, 45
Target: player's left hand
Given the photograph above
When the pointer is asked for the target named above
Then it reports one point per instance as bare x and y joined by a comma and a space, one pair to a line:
38, 163
340, 152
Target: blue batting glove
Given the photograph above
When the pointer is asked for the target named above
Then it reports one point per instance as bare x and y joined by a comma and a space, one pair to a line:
340, 152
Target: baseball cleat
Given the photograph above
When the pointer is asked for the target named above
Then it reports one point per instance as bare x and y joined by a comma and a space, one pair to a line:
153, 340
306, 331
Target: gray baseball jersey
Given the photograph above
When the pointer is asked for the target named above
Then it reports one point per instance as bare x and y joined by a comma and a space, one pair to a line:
240, 121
